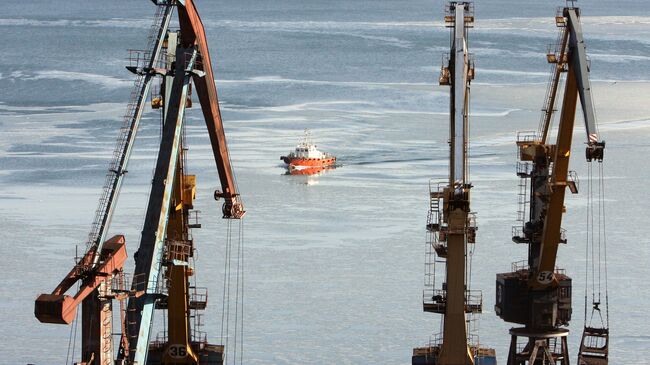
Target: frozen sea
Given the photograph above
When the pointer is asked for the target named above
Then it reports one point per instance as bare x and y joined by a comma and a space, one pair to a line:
334, 263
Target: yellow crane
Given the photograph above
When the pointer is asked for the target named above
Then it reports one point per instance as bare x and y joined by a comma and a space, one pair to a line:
535, 293
451, 225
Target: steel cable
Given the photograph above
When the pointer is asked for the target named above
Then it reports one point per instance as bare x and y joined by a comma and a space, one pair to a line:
235, 338
604, 222
225, 276
241, 345
67, 355
589, 178
75, 324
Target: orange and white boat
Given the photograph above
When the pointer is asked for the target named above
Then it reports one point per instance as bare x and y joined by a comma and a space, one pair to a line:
307, 156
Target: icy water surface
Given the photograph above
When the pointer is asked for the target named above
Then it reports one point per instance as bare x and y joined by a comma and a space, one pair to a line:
334, 263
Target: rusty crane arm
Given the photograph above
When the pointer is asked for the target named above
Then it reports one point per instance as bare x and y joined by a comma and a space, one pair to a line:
94, 296
58, 307
193, 33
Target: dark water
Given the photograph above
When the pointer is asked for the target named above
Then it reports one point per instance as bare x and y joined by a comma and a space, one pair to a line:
334, 263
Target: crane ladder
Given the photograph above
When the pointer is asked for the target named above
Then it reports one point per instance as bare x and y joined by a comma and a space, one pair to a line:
126, 136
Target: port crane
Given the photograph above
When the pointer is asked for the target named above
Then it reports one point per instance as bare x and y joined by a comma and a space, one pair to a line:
451, 225
535, 293
161, 280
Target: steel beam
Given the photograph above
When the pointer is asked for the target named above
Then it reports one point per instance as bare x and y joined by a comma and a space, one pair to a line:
149, 256
458, 102
116, 184
193, 33
580, 65
555, 207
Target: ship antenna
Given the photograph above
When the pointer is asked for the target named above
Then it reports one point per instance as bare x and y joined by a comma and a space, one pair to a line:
307, 137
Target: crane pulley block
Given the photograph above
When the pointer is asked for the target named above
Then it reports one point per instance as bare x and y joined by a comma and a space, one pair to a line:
595, 151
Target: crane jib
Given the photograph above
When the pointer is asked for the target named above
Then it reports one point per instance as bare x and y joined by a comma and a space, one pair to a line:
580, 65
459, 54
126, 140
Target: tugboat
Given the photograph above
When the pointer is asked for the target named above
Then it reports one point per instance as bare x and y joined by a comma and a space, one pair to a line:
307, 157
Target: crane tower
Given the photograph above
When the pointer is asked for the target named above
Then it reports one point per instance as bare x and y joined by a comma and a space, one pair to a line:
451, 225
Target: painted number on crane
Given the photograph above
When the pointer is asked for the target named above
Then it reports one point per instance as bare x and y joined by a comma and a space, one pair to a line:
177, 351
545, 277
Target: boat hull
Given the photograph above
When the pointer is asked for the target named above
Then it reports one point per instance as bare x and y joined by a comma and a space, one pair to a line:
314, 170
309, 162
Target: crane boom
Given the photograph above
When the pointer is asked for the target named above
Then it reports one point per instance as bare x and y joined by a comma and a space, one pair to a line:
579, 65
193, 33
573, 57
148, 259
459, 96
551, 232
126, 140
577, 84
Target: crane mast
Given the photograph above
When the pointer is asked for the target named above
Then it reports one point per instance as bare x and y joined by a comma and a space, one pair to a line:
536, 294
164, 241
452, 227
163, 267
